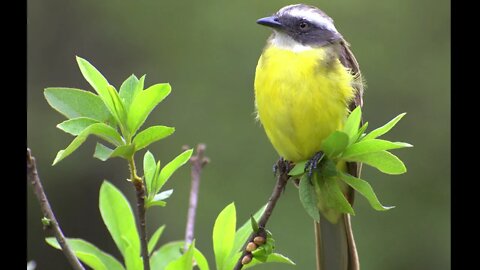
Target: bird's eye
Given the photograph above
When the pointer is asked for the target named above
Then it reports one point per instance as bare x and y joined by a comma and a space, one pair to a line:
303, 25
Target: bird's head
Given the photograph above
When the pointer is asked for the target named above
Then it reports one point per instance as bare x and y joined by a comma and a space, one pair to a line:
301, 25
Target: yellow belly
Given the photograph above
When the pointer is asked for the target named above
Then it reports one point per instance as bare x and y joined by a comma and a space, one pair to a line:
301, 98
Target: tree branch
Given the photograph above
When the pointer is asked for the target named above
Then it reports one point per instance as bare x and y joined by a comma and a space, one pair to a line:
282, 179
197, 162
33, 177
140, 188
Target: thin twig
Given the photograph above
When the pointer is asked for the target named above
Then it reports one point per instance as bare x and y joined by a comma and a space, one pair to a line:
33, 177
140, 188
282, 179
197, 162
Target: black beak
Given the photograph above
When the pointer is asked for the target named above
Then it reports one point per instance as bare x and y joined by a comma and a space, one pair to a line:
270, 22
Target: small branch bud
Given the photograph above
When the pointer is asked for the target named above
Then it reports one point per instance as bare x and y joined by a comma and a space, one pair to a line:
251, 247
246, 259
259, 240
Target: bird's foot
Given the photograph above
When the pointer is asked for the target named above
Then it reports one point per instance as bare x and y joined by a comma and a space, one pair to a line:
282, 166
312, 164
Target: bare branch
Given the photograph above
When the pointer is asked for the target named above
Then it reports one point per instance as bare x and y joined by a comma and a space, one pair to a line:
282, 179
197, 162
33, 177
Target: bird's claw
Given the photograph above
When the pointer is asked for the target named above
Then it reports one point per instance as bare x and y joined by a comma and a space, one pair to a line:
312, 164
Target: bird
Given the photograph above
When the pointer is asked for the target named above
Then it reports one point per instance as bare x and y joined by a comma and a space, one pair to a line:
307, 82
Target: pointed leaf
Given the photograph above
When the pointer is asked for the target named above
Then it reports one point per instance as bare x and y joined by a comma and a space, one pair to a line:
118, 110
74, 103
224, 235
201, 261
119, 219
100, 129
154, 239
102, 152
144, 103
298, 169
353, 123
308, 198
245, 230
370, 146
132, 258
185, 262
166, 254
360, 133
170, 168
384, 161
364, 188
150, 135
129, 90
334, 144
274, 257
89, 254
384, 129
123, 151
163, 195
331, 200
149, 171
254, 224
77, 125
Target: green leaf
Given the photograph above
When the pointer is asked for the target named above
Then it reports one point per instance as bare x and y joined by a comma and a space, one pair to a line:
274, 257
245, 230
129, 90
74, 103
353, 123
172, 251
119, 219
384, 161
89, 254
224, 235
185, 262
166, 254
101, 86
123, 151
118, 110
331, 200
149, 171
298, 169
102, 152
202, 262
364, 188
384, 129
144, 103
371, 146
254, 224
334, 144
150, 135
100, 129
77, 125
154, 239
308, 198
133, 260
170, 168
360, 132
158, 199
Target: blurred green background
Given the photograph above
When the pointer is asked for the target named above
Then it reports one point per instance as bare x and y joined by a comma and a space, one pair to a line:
208, 50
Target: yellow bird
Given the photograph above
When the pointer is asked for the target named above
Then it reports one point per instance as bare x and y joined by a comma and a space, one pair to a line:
307, 82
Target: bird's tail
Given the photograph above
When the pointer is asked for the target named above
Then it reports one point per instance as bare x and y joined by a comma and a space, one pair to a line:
335, 245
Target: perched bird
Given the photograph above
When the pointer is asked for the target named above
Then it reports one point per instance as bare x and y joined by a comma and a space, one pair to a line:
307, 81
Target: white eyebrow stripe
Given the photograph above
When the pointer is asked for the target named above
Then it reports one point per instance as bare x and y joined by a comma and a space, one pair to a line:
312, 16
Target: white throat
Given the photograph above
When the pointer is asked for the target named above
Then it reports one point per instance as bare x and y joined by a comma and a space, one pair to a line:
284, 41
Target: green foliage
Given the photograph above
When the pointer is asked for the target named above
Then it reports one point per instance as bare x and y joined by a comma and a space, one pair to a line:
348, 145
224, 236
227, 243
89, 254
154, 239
119, 219
110, 115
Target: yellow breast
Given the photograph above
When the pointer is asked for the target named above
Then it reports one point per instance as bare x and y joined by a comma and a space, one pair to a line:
301, 97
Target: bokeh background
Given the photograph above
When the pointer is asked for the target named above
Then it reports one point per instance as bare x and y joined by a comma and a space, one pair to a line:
208, 50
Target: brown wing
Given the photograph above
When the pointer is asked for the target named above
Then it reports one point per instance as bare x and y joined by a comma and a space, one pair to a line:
348, 60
